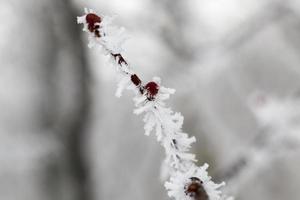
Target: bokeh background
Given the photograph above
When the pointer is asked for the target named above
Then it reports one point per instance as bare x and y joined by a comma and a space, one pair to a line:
234, 64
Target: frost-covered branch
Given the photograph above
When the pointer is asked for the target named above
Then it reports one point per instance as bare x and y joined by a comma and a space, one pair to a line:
186, 180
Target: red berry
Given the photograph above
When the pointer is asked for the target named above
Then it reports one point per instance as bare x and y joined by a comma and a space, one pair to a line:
92, 19
152, 89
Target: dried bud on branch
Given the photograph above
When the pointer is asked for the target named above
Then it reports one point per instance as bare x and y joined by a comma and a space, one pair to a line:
135, 80
119, 58
195, 189
93, 22
152, 90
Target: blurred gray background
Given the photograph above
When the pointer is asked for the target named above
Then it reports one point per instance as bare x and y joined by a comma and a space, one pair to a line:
65, 136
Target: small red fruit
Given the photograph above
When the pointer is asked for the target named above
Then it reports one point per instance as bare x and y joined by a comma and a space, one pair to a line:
152, 90
92, 19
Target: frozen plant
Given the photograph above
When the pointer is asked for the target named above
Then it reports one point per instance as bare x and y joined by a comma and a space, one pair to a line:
186, 180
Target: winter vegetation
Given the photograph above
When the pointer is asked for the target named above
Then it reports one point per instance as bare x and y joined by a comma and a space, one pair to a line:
187, 181
235, 67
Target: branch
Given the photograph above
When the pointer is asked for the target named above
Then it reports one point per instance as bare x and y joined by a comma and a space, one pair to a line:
187, 181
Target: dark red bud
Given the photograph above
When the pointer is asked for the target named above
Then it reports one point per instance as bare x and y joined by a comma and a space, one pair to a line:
119, 58
152, 89
135, 80
196, 190
93, 19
